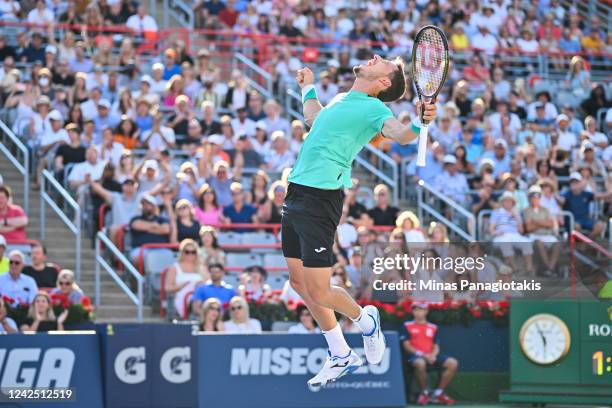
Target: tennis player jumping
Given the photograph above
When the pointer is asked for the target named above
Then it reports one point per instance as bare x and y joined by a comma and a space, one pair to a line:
315, 196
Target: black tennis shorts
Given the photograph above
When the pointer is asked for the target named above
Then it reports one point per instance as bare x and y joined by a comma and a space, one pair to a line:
309, 220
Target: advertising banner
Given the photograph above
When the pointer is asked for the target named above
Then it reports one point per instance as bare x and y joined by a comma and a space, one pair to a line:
51, 370
150, 365
271, 370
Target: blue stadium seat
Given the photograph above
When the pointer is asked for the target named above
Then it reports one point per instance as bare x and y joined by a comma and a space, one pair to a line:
243, 260
277, 280
155, 261
229, 238
259, 238
276, 260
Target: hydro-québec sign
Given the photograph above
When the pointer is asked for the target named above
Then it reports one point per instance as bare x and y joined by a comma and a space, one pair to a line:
36, 368
291, 361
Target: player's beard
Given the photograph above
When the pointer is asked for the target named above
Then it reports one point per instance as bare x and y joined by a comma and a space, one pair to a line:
357, 71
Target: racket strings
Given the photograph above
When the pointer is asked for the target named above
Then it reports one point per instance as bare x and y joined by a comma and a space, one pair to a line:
430, 62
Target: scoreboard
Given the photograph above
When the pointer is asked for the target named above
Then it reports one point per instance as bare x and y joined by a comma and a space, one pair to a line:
561, 352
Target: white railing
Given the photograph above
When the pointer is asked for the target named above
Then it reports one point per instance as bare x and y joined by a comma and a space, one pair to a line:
463, 222
180, 11
254, 74
7, 137
101, 262
74, 225
384, 169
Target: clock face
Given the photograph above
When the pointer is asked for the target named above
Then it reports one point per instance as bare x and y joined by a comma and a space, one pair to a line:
544, 339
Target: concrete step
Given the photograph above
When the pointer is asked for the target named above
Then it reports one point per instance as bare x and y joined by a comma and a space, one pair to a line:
111, 312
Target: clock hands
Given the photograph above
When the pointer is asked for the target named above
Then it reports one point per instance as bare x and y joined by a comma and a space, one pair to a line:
541, 334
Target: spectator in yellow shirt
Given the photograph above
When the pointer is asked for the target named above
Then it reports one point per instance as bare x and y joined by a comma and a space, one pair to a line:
459, 41
4, 262
593, 42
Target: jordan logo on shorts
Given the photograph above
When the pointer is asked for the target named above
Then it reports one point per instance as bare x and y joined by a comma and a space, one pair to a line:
319, 250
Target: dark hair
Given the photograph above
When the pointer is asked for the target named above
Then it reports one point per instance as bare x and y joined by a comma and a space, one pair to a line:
6, 190
398, 84
259, 269
41, 246
300, 309
203, 190
216, 265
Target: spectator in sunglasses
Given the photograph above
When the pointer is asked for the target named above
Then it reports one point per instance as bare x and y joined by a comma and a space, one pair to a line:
306, 324
210, 318
66, 286
185, 274
15, 285
7, 325
239, 321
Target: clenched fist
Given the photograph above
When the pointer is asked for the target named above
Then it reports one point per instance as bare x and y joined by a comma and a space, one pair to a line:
304, 77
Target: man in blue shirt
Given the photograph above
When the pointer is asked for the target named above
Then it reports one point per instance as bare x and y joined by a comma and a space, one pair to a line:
214, 288
239, 212
578, 202
14, 284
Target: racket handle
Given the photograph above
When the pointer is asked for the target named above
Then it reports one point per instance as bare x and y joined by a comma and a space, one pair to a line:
421, 153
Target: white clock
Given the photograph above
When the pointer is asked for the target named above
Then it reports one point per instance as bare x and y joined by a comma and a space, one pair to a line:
544, 339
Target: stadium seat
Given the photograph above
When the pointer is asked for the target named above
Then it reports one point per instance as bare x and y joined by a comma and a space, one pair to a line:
281, 326
229, 238
277, 281
155, 261
26, 249
259, 238
275, 260
243, 260
232, 278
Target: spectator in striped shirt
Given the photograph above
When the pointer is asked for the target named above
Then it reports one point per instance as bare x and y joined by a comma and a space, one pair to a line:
506, 226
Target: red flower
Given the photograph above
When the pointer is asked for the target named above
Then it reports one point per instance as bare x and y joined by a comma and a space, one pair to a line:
400, 313
387, 307
85, 301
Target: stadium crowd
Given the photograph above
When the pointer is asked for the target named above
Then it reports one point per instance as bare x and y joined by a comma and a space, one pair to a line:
178, 149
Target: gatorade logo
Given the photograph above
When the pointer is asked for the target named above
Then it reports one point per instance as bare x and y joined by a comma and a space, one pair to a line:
130, 365
175, 365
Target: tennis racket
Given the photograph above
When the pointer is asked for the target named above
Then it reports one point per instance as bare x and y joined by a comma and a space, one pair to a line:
429, 71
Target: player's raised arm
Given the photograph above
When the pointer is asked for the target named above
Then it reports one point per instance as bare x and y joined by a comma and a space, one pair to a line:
396, 130
312, 106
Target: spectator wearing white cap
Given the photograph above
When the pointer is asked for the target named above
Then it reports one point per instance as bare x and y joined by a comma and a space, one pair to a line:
105, 118
210, 124
541, 227
149, 178
160, 136
500, 157
279, 156
567, 139
451, 183
578, 201
145, 90
597, 138
506, 226
260, 142
158, 83
50, 140
588, 159
9, 9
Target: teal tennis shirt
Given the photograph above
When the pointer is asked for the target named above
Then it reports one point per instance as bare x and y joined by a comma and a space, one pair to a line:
340, 130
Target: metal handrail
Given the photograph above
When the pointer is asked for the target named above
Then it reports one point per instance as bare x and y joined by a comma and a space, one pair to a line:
137, 299
22, 167
265, 91
184, 16
392, 181
293, 96
73, 225
424, 189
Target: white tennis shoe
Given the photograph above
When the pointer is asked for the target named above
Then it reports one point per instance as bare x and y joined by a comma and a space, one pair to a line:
374, 343
334, 368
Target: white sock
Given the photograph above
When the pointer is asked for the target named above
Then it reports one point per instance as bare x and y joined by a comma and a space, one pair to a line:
437, 392
336, 342
365, 323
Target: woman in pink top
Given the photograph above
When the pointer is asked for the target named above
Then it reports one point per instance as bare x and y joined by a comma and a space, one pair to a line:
208, 212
